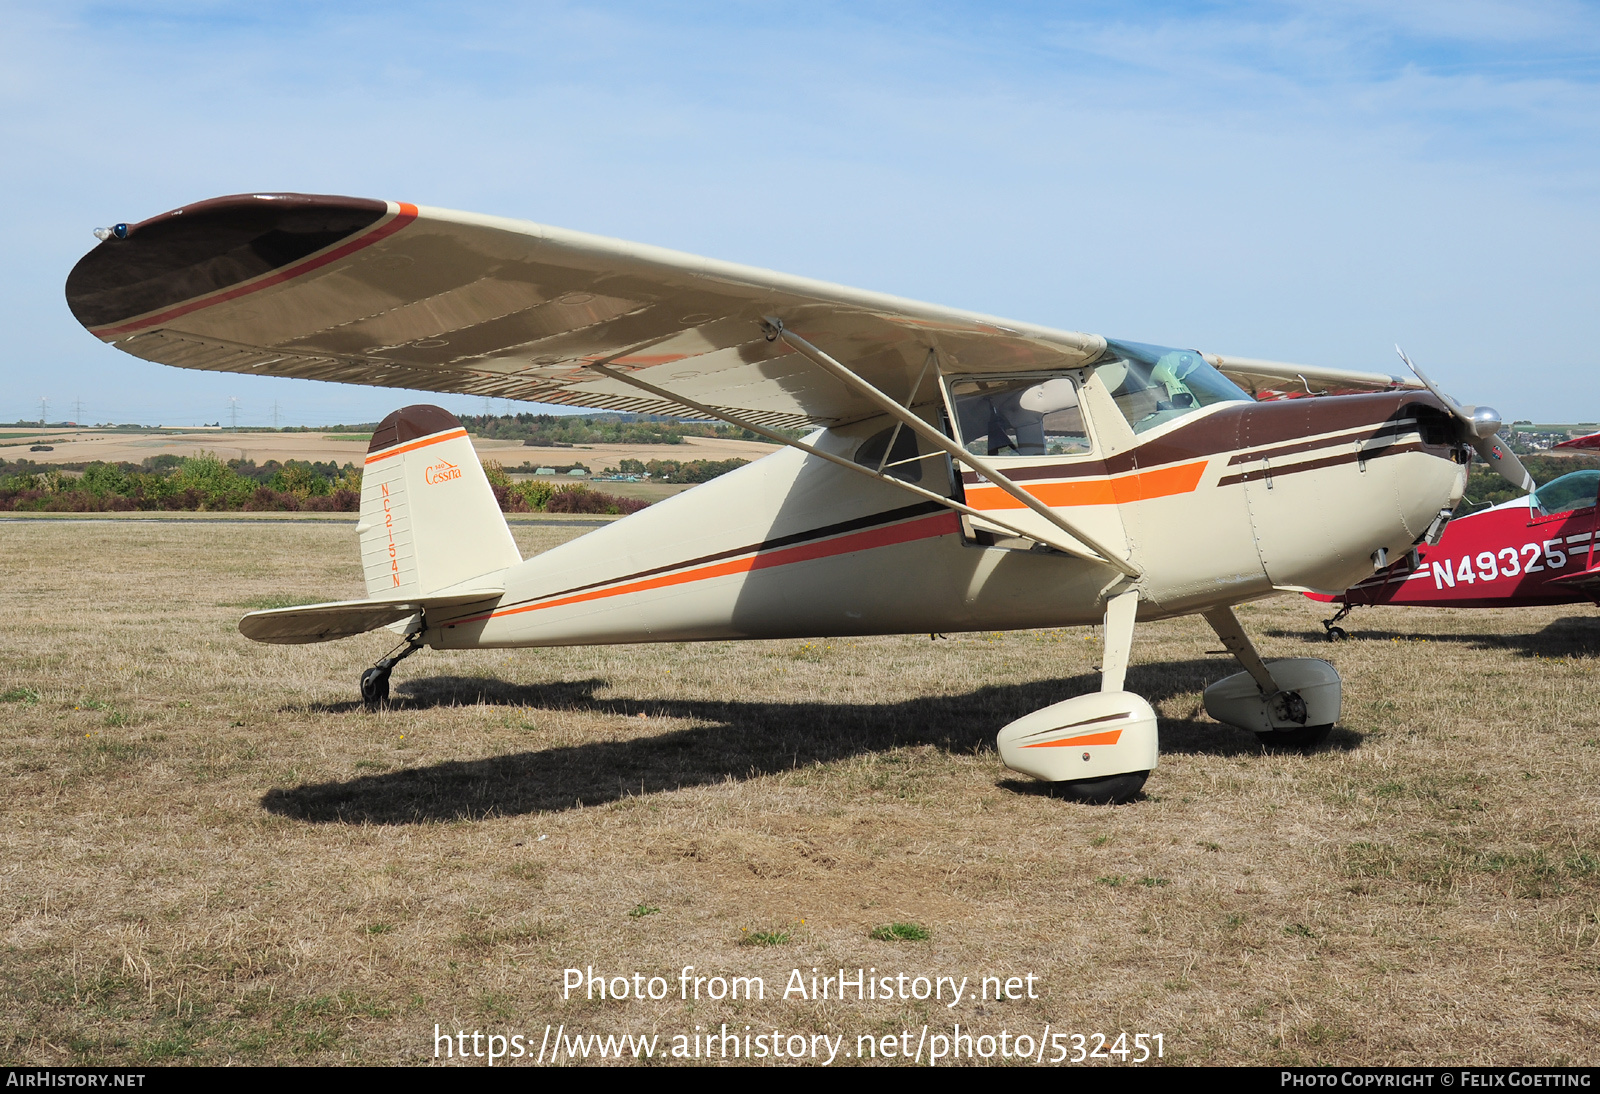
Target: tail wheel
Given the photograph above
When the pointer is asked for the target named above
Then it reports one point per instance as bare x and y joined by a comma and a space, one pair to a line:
375, 687
1337, 634
1306, 739
1109, 790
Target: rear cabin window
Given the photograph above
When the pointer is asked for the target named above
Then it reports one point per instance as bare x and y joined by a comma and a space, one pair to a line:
1019, 416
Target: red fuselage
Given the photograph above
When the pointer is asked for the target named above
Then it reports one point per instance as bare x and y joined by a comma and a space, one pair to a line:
1508, 556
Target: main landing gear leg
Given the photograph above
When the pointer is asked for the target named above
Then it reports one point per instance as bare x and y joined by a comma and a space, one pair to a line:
1337, 634
1293, 704
1096, 748
375, 681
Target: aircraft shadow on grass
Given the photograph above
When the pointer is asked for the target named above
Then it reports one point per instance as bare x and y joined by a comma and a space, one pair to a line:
743, 740
1569, 636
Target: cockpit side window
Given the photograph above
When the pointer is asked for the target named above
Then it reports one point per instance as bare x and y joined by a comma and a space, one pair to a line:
1019, 416
1569, 492
1152, 385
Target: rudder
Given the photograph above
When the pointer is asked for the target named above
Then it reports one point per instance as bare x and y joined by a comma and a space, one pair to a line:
429, 519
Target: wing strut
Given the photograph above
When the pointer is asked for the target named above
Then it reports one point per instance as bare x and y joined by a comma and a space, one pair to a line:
1064, 546
949, 446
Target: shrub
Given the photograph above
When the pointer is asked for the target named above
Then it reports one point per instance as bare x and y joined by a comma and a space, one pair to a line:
535, 494
581, 499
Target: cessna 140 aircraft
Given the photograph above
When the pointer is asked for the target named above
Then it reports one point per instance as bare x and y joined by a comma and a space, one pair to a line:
963, 473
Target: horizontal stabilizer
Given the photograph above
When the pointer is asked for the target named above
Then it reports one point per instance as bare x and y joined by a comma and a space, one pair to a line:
1586, 582
343, 618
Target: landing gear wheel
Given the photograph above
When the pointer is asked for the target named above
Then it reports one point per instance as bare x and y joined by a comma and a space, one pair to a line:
375, 681
1306, 739
1336, 633
1110, 790
375, 687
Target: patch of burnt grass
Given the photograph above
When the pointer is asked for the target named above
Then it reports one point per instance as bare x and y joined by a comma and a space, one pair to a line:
900, 932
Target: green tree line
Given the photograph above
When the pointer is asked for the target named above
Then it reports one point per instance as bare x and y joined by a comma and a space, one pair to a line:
1485, 487
192, 483
208, 484
558, 430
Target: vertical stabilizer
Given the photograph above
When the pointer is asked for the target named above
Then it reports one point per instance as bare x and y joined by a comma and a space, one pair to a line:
429, 519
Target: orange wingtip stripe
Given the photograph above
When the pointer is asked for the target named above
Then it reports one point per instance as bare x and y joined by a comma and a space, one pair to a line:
414, 445
1109, 737
1139, 486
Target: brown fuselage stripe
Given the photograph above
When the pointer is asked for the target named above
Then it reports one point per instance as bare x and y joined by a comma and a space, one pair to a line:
1316, 465
1391, 428
1243, 426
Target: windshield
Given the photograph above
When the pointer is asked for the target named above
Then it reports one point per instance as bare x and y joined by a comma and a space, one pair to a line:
1569, 492
1152, 385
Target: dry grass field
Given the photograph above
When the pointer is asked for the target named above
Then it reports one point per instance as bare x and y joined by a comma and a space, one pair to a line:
210, 853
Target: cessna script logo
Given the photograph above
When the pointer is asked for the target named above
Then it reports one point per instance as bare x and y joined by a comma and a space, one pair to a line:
443, 471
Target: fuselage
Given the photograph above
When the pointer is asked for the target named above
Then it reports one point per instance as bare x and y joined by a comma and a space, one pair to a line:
1229, 503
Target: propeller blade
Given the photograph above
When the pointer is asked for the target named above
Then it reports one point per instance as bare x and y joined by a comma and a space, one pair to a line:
1498, 455
1455, 408
1479, 427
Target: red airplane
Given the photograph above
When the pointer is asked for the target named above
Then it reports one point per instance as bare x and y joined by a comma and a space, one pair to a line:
1536, 549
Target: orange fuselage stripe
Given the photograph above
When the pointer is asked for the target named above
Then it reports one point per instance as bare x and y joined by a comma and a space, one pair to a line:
1139, 486
940, 525
1109, 737
414, 445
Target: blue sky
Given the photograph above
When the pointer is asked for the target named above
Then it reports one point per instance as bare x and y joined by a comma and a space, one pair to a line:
1309, 182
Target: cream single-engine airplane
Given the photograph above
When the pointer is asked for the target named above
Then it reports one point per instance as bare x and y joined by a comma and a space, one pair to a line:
963, 472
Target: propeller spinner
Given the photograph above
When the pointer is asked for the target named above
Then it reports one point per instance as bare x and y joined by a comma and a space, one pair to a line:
1480, 426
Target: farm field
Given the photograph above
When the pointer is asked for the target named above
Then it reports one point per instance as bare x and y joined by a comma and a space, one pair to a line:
211, 853
85, 446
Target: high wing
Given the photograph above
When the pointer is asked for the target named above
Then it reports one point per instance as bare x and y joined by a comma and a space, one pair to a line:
400, 296
1280, 380
397, 295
